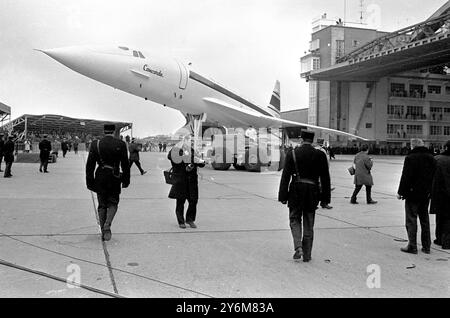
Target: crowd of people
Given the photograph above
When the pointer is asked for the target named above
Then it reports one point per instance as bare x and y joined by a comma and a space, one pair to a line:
424, 185
305, 183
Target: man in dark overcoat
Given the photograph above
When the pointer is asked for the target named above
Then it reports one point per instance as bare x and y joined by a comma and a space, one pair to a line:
184, 164
110, 155
440, 198
2, 144
299, 188
45, 147
64, 147
8, 154
415, 188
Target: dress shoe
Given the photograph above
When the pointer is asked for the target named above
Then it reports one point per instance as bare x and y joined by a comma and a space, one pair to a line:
40, 170
327, 206
7, 176
372, 202
409, 250
426, 250
192, 225
306, 259
144, 172
182, 226
298, 254
437, 242
107, 235
353, 202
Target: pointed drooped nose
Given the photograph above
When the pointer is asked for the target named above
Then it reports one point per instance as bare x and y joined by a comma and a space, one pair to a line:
87, 61
73, 57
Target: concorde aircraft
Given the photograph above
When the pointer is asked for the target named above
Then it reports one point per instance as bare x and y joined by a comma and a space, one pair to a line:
171, 83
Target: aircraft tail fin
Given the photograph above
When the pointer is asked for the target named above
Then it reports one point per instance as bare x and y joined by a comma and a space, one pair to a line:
275, 100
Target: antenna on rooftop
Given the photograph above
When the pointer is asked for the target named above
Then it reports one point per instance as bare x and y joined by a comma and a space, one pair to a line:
361, 11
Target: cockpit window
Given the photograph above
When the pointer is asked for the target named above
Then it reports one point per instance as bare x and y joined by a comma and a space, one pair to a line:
141, 55
123, 48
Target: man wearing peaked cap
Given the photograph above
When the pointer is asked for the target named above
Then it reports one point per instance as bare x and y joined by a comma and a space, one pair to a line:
299, 188
307, 136
110, 156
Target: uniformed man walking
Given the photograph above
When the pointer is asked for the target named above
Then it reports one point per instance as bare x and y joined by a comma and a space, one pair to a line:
8, 153
299, 188
45, 148
110, 154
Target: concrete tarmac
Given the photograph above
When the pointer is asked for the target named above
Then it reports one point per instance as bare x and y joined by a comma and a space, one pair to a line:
241, 248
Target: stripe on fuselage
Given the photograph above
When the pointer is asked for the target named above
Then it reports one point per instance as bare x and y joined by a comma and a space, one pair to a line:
200, 79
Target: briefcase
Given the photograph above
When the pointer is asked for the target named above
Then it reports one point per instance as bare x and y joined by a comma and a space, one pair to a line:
170, 176
352, 170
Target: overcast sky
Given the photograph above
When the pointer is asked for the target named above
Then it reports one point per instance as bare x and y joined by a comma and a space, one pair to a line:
244, 44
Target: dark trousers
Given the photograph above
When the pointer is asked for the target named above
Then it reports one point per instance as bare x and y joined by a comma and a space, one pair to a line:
190, 213
1, 158
44, 164
108, 204
420, 210
64, 153
368, 193
138, 164
443, 231
8, 169
438, 231
303, 237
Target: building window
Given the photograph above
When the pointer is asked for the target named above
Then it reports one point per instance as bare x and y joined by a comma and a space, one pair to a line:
414, 129
396, 111
414, 112
435, 130
433, 89
369, 105
396, 130
436, 110
369, 125
416, 91
355, 43
340, 48
398, 90
447, 130
316, 64
447, 90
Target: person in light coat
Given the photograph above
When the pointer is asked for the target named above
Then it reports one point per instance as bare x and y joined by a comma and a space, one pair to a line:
363, 177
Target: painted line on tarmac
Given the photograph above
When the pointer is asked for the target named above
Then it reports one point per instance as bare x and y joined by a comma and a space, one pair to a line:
59, 279
105, 248
113, 268
189, 231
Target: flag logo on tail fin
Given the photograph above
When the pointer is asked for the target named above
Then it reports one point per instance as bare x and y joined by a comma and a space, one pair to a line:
275, 101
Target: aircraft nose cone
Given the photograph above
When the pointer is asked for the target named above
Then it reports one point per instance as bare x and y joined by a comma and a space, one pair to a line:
88, 61
69, 56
